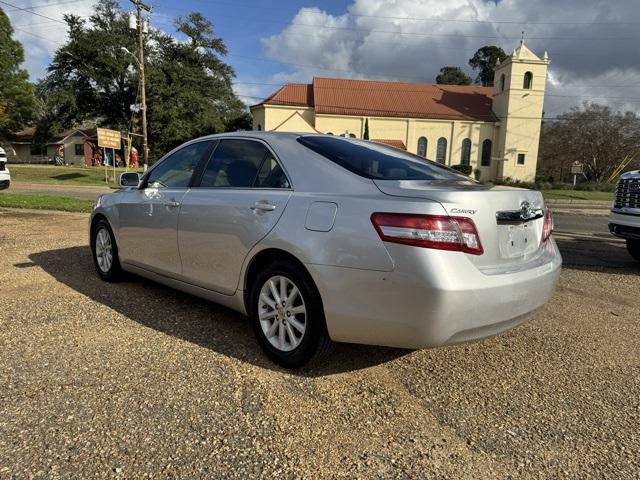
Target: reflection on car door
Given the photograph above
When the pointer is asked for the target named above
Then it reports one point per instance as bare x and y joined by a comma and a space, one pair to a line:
148, 217
242, 194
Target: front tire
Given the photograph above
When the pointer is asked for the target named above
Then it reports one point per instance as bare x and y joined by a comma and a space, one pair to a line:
105, 252
287, 316
633, 247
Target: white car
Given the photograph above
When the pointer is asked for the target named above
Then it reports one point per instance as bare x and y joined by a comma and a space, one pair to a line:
5, 176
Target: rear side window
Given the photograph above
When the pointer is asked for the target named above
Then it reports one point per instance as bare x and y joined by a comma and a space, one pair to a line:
378, 162
243, 164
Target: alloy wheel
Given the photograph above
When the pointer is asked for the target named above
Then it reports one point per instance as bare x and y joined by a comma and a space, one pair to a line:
104, 250
282, 313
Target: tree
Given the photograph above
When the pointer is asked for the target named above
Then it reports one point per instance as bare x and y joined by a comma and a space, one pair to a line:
453, 76
484, 60
592, 135
17, 99
365, 136
92, 81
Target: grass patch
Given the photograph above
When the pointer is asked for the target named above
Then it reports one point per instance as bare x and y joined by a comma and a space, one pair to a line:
51, 174
45, 202
578, 195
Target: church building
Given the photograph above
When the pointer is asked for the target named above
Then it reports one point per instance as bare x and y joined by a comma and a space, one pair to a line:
495, 129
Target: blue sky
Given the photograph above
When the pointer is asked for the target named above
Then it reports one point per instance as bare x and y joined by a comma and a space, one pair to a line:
592, 44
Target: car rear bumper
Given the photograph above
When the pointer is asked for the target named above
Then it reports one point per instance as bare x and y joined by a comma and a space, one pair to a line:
438, 298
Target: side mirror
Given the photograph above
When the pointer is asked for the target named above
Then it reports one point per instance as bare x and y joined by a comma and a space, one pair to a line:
130, 179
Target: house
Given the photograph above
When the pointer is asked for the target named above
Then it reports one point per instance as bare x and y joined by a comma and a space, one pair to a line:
22, 149
495, 129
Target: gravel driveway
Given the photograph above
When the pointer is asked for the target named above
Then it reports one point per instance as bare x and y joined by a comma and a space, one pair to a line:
133, 379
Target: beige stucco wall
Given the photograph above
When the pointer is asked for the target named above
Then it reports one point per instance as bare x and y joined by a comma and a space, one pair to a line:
270, 117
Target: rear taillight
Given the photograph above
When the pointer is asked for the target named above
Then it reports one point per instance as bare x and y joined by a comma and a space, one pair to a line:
547, 226
429, 231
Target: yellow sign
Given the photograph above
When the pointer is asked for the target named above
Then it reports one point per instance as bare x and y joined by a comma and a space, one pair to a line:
109, 138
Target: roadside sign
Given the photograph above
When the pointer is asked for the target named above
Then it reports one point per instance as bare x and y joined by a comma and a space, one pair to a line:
576, 168
109, 138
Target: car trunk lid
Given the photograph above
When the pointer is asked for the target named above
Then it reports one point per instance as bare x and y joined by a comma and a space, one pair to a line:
509, 220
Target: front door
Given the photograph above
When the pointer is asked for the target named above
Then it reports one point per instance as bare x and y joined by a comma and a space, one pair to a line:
148, 217
242, 194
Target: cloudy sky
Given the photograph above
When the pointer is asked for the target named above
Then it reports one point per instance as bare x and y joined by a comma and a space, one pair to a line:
594, 45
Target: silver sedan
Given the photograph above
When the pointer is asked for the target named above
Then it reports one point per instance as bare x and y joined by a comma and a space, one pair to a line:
322, 239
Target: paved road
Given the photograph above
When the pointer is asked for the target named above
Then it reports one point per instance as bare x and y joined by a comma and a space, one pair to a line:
134, 379
585, 241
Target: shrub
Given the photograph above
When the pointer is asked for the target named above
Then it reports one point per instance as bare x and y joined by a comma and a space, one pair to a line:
466, 169
477, 173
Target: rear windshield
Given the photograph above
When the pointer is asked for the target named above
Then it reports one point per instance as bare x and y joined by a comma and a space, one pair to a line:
378, 162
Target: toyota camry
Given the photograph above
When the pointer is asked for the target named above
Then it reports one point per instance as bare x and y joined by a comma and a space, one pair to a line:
321, 239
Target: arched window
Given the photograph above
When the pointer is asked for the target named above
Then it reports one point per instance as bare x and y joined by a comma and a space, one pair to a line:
502, 82
441, 151
329, 133
528, 80
422, 147
259, 127
465, 155
485, 161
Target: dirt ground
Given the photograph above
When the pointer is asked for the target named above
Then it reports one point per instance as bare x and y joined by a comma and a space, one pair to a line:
136, 380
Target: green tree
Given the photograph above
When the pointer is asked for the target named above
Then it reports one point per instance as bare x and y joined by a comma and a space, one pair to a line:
452, 76
484, 60
190, 88
17, 98
92, 81
366, 129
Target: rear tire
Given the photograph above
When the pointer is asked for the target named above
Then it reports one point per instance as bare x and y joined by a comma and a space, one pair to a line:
287, 316
105, 252
633, 247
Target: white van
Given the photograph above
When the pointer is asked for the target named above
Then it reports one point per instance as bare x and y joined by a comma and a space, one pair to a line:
5, 177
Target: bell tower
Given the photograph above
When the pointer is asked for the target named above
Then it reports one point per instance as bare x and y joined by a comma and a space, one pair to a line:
518, 97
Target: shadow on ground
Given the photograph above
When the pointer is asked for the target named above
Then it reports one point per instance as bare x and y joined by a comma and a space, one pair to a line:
187, 317
598, 253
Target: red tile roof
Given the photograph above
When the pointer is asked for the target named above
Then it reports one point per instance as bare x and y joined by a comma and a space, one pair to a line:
297, 94
393, 143
338, 96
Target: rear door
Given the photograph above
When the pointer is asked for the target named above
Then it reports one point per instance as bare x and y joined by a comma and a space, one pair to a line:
239, 199
148, 217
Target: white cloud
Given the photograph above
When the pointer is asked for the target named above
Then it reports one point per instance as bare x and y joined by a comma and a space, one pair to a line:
589, 43
40, 36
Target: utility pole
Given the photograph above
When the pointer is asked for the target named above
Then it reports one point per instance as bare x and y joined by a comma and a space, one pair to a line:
141, 27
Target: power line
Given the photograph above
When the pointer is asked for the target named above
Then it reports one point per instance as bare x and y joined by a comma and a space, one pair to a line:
45, 5
429, 19
32, 13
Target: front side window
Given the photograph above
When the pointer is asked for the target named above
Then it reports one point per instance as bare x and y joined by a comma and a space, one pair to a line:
422, 147
176, 170
485, 161
240, 163
79, 147
376, 161
465, 155
441, 151
528, 80
520, 159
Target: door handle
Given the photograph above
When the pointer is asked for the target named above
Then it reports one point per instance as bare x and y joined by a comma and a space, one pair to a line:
172, 204
263, 206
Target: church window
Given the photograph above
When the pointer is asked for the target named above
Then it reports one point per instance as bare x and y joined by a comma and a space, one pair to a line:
485, 161
441, 151
465, 155
422, 147
528, 80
